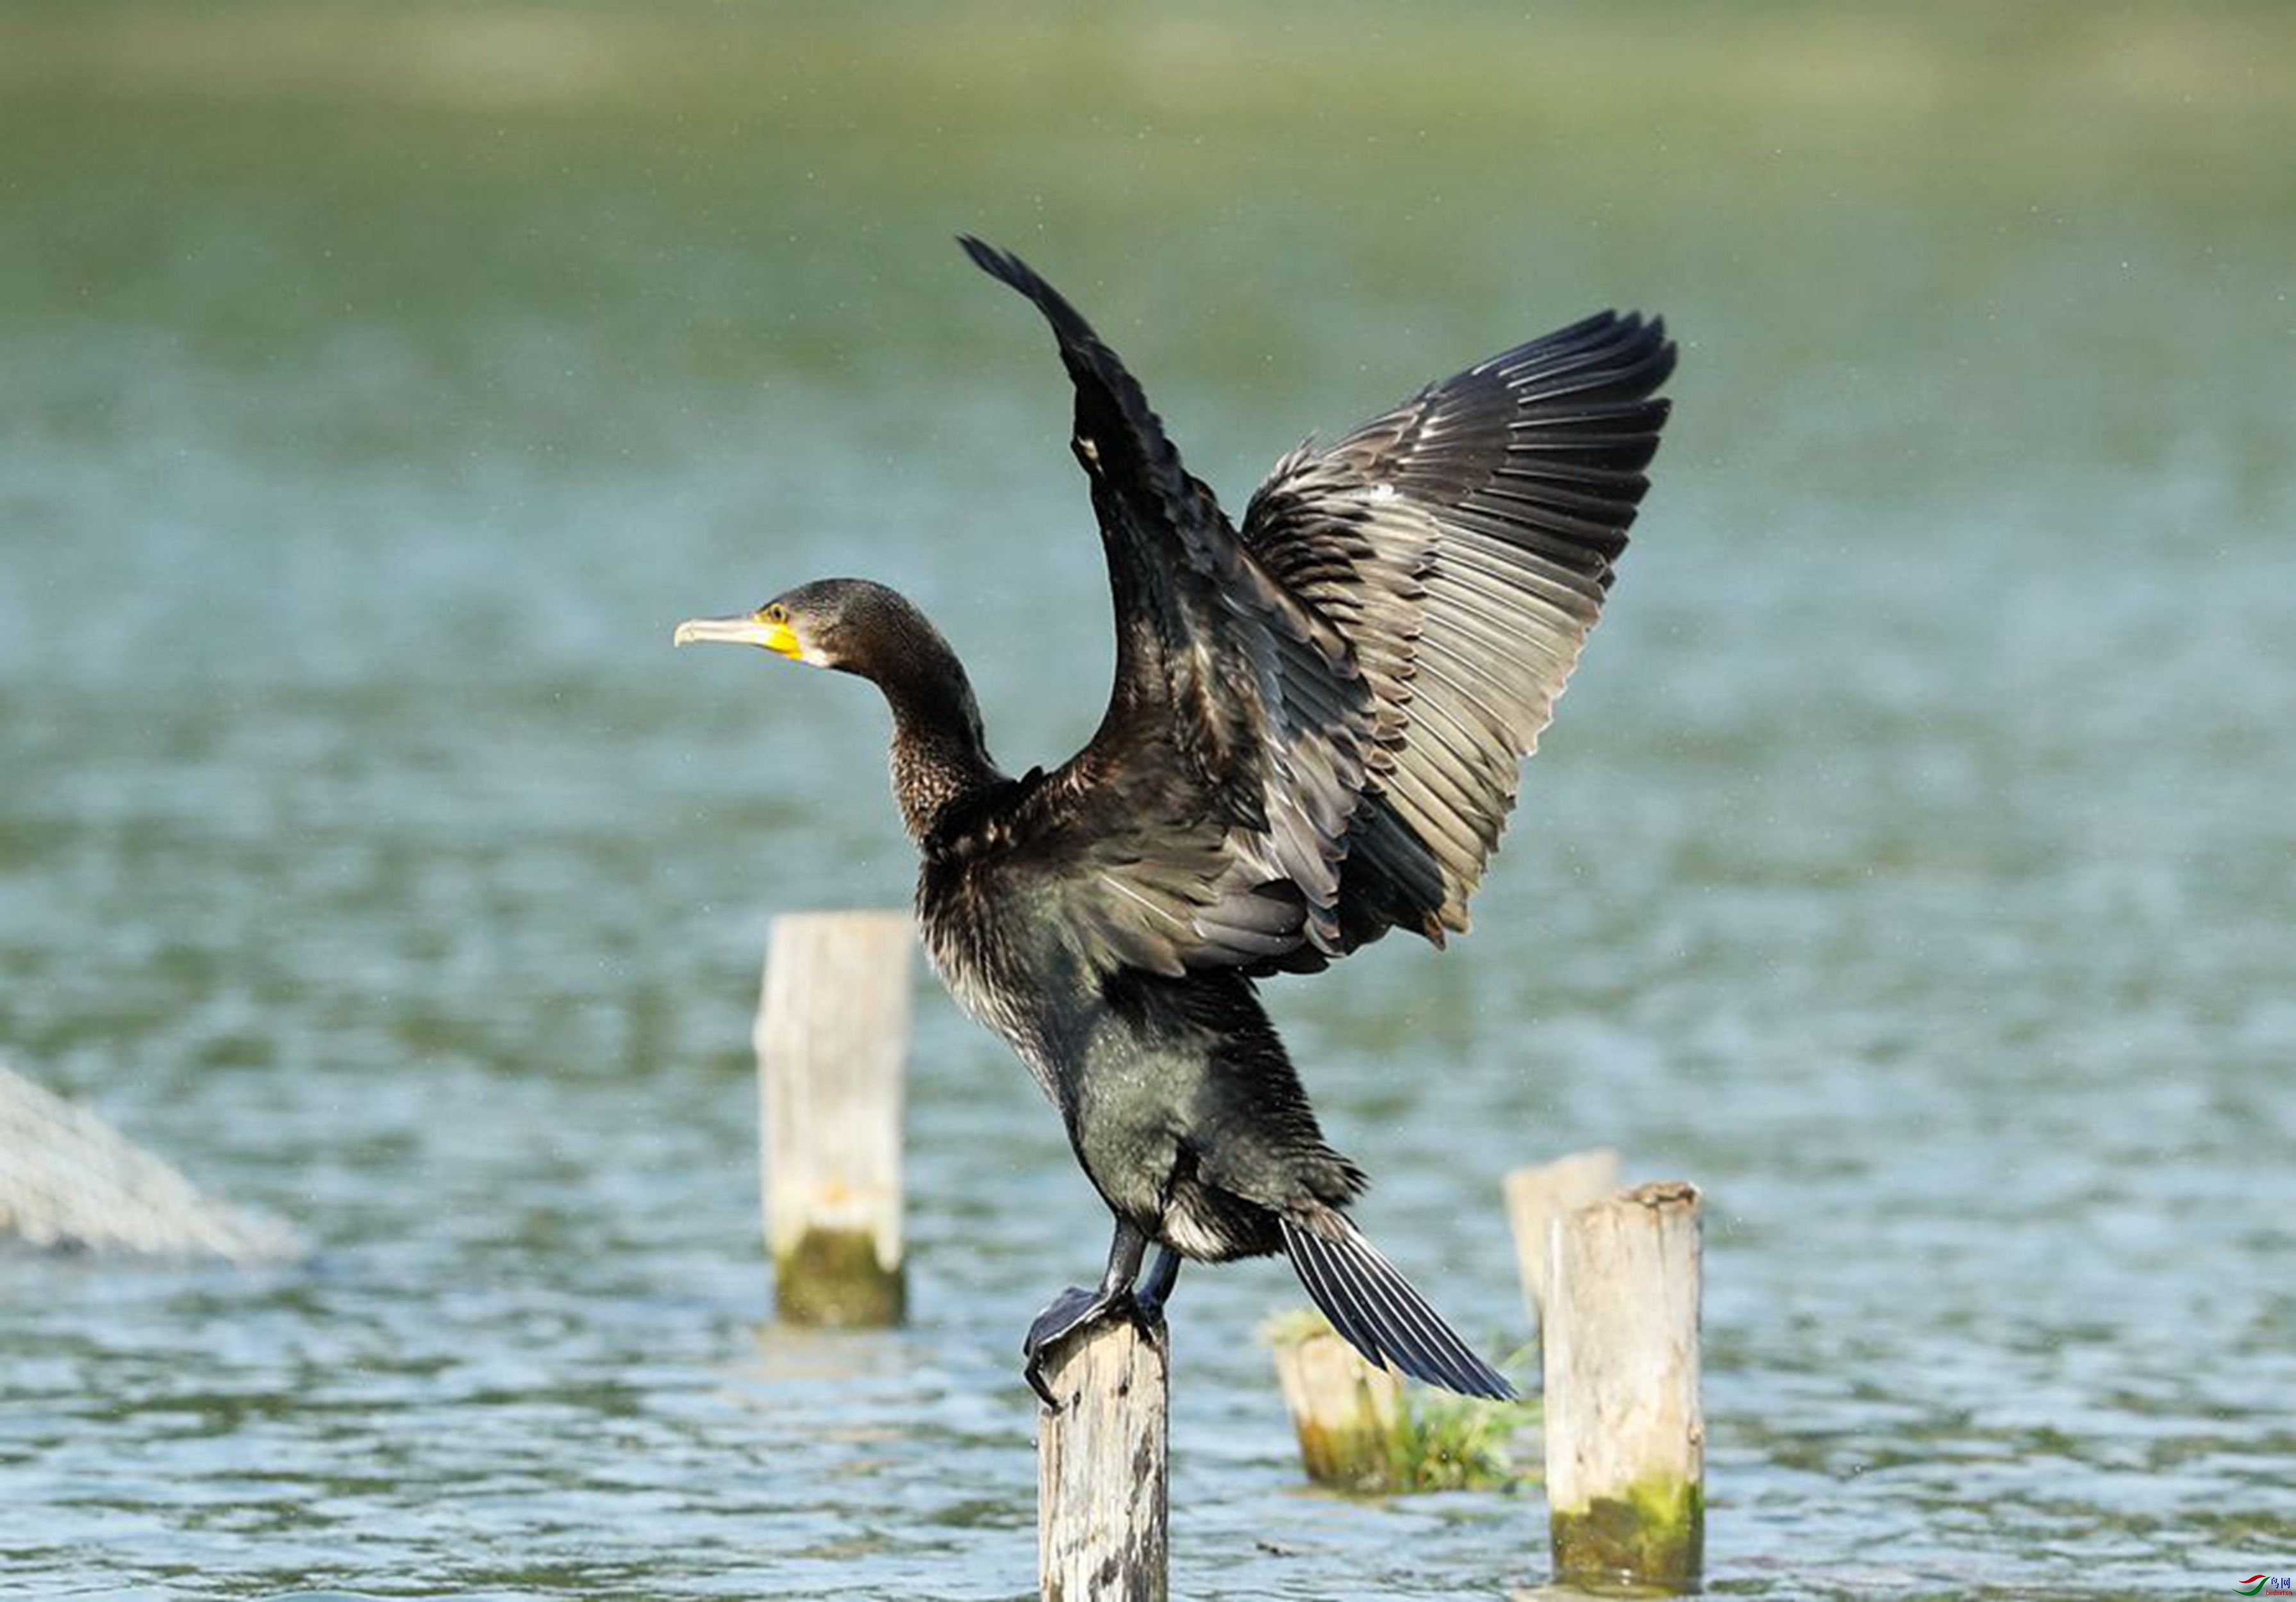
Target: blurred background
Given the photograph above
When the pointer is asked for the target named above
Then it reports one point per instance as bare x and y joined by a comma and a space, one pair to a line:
1911, 865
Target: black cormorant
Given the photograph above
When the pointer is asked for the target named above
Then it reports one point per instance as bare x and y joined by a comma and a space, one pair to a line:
1313, 738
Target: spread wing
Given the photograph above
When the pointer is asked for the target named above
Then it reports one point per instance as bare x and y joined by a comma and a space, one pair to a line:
1315, 725
1463, 542
1205, 823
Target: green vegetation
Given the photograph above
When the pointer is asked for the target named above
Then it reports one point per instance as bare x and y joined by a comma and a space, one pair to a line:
1422, 1441
1653, 1538
1461, 1444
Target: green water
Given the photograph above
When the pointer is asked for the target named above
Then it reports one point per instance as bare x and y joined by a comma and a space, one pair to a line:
1912, 863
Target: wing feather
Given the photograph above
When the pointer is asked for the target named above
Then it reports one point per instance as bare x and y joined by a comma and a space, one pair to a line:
1207, 821
1505, 494
1317, 724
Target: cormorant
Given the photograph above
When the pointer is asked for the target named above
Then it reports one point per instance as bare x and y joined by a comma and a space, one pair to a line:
1313, 738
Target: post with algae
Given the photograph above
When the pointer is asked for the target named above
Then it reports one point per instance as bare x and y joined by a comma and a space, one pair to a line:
832, 1040
1346, 1413
1626, 1441
1102, 1484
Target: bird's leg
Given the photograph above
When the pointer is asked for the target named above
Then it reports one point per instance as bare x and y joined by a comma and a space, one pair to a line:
1076, 1307
1157, 1288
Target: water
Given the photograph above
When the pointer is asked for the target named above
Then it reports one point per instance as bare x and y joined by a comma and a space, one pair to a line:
1911, 864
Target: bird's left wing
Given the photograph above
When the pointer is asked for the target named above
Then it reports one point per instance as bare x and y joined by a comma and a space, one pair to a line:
1464, 542
1205, 823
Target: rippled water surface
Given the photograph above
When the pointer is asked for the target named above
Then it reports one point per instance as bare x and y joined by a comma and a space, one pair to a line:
1912, 864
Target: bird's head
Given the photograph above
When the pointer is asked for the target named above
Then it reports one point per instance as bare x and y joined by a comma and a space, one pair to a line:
939, 753
847, 624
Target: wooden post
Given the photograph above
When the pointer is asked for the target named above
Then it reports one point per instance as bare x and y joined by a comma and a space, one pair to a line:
1626, 1442
1101, 1469
832, 1032
1345, 1412
1535, 1197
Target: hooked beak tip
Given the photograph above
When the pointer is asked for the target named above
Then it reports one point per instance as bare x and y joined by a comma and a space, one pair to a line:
737, 630
745, 629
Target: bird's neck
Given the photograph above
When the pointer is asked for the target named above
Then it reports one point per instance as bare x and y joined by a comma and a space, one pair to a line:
940, 754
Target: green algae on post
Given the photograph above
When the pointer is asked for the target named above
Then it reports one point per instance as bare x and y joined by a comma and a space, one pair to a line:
1653, 1537
834, 1278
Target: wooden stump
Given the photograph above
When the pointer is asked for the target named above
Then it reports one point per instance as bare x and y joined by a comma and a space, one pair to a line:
1345, 1412
832, 1035
1626, 1442
1535, 1197
1101, 1469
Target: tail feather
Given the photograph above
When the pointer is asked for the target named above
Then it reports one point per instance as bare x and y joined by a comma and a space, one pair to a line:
1376, 1311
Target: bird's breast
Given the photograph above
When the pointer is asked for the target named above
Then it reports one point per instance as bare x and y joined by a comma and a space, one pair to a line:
1001, 965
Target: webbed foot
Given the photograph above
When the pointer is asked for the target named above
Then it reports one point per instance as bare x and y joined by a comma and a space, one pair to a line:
1071, 1310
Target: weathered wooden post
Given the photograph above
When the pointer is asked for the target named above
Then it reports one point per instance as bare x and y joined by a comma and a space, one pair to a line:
1626, 1442
831, 1036
1345, 1412
1102, 1491
1537, 1196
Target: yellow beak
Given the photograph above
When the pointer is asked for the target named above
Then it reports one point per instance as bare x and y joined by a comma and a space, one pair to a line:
748, 628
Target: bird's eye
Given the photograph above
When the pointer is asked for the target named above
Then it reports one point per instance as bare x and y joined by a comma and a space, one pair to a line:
775, 613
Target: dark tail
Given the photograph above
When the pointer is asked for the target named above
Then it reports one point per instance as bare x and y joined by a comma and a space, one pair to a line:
1376, 1312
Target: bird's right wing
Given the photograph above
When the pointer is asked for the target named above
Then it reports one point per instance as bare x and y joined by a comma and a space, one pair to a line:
1316, 725
1204, 824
